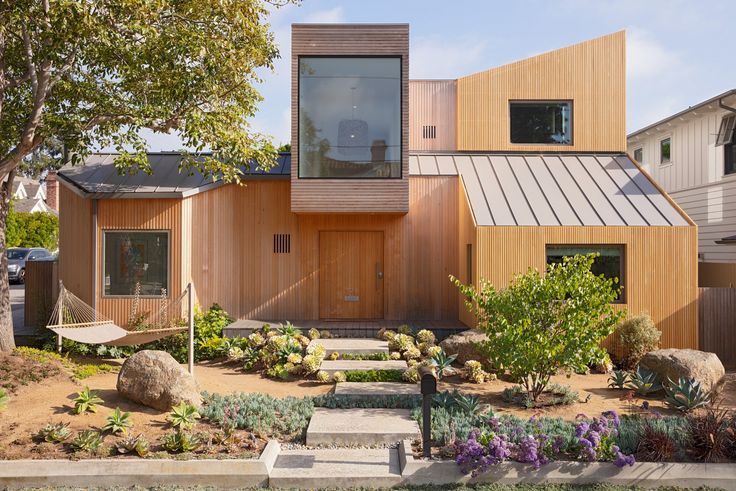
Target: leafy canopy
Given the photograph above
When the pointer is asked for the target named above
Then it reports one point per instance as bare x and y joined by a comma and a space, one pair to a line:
32, 230
542, 324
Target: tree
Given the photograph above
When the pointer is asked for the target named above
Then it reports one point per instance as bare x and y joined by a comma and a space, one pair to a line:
543, 324
86, 73
32, 230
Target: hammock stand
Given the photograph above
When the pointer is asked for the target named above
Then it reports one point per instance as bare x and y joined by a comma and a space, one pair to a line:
72, 318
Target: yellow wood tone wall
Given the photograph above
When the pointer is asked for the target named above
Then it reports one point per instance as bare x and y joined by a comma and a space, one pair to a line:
432, 102
75, 243
139, 214
592, 74
233, 264
350, 195
467, 235
660, 268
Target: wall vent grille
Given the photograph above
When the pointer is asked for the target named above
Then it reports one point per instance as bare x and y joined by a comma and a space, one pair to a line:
281, 243
429, 132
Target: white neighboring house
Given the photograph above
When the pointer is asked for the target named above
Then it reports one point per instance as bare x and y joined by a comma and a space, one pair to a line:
692, 155
29, 195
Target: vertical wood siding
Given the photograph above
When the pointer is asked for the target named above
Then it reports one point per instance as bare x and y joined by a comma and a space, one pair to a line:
592, 74
75, 243
467, 235
432, 103
341, 195
660, 268
716, 275
718, 323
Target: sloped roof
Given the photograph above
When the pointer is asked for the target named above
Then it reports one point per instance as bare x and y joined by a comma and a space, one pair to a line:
99, 178
32, 205
550, 190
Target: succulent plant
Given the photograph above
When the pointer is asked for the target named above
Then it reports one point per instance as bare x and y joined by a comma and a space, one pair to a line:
686, 395
313, 333
339, 377
133, 444
322, 376
473, 371
87, 441
425, 336
181, 441
86, 400
183, 415
250, 358
442, 364
619, 379
645, 381
54, 432
118, 422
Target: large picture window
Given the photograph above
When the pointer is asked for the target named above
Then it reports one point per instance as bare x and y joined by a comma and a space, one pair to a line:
133, 258
541, 122
349, 117
610, 263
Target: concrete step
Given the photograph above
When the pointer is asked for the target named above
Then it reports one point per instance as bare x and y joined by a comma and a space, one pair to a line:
341, 468
369, 389
353, 346
360, 426
331, 366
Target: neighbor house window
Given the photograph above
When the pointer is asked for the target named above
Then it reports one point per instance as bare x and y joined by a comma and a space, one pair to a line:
639, 154
729, 158
136, 258
609, 263
350, 117
541, 122
664, 151
727, 138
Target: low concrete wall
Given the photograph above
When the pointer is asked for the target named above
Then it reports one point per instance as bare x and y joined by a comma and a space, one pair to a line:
643, 474
235, 473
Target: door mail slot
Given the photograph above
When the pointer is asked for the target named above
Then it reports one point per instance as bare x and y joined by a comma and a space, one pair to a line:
352, 298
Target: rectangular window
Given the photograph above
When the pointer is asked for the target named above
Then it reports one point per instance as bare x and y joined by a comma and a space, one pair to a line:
541, 122
610, 263
639, 154
350, 117
727, 130
729, 158
469, 263
664, 151
133, 258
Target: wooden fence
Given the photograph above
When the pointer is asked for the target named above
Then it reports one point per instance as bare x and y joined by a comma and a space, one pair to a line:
42, 289
717, 312
717, 275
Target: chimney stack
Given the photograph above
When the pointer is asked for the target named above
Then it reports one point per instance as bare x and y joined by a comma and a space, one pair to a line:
52, 191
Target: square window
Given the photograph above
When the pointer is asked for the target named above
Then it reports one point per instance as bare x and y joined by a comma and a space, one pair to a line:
541, 122
610, 262
664, 151
136, 258
639, 154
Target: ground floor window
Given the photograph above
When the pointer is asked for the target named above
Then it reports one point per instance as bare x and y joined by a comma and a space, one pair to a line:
610, 262
133, 258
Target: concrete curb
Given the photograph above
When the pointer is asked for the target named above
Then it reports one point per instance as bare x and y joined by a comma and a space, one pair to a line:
643, 474
142, 472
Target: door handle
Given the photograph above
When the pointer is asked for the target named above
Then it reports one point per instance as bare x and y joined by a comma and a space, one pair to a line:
379, 273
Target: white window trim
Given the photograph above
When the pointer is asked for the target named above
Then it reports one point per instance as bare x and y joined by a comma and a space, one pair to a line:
634, 150
659, 151
105, 231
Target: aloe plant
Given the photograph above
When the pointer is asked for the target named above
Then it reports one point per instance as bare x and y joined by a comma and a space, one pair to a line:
645, 382
442, 363
87, 441
686, 395
118, 422
619, 379
183, 416
85, 401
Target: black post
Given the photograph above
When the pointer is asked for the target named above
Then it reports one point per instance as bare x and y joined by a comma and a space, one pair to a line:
428, 387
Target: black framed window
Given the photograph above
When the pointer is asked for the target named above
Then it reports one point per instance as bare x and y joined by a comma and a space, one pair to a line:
136, 257
610, 262
665, 149
349, 117
729, 158
541, 122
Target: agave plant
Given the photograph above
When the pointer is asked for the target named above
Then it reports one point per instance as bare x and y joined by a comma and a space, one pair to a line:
249, 359
289, 349
181, 441
645, 382
183, 416
133, 444
468, 403
686, 395
118, 422
442, 363
288, 330
86, 400
619, 379
87, 441
54, 432
444, 399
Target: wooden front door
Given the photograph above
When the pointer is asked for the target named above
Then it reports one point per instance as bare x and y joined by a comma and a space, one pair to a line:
351, 275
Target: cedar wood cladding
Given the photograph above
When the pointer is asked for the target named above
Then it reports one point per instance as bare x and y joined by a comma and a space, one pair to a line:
341, 195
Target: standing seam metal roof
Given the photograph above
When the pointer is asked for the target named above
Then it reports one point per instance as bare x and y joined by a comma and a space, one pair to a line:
550, 190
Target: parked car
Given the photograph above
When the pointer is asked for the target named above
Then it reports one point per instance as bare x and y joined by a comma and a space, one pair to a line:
17, 258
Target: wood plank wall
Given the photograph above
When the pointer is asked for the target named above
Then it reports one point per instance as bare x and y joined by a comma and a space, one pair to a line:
592, 74
340, 195
660, 268
41, 292
233, 262
467, 236
75, 242
432, 103
718, 323
717, 275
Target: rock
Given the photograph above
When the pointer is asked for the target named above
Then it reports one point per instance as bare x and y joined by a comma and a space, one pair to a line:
673, 363
155, 379
464, 346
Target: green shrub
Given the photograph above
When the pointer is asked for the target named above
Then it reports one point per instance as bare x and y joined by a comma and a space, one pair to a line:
556, 395
25, 229
632, 427
367, 356
543, 324
390, 375
82, 372
638, 335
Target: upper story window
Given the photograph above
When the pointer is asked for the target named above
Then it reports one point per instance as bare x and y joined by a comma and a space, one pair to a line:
136, 258
665, 151
349, 117
639, 154
541, 122
727, 138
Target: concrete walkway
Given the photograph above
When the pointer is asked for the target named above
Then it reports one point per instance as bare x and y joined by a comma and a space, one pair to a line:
371, 389
360, 426
353, 346
331, 366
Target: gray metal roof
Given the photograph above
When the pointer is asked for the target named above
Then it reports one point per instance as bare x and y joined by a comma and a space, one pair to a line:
564, 189
98, 177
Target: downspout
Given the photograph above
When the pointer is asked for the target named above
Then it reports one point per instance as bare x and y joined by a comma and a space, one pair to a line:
94, 257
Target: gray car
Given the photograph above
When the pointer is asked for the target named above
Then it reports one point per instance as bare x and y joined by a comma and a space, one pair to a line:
17, 258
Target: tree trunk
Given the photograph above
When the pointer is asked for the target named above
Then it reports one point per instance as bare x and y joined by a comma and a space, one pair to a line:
7, 341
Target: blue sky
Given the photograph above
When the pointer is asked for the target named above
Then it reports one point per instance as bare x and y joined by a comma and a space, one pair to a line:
679, 52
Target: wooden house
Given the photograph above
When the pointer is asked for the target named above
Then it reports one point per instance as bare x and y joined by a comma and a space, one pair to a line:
393, 185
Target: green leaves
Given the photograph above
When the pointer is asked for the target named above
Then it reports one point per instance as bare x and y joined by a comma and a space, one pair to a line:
543, 324
85, 401
184, 416
118, 422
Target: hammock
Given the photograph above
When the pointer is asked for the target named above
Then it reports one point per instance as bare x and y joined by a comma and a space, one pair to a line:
75, 320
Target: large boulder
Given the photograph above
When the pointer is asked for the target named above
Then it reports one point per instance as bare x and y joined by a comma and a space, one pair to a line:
155, 379
673, 363
465, 346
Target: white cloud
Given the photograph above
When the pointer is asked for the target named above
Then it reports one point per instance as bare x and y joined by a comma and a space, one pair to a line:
445, 58
647, 57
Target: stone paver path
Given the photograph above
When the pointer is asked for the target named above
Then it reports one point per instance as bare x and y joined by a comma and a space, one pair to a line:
360, 426
367, 389
331, 366
353, 346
